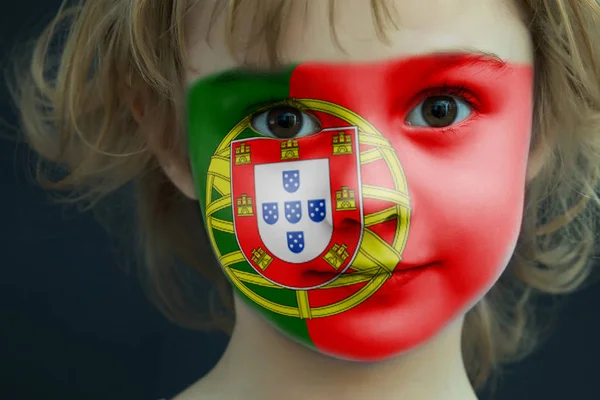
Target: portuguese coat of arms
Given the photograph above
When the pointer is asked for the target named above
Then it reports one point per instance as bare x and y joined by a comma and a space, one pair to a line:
297, 205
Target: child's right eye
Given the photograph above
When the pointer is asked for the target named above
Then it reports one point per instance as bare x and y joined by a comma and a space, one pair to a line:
285, 122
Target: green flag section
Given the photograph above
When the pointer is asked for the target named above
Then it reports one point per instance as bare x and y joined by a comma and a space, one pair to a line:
216, 105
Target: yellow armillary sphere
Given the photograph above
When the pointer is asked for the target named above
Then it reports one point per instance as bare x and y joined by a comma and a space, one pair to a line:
370, 273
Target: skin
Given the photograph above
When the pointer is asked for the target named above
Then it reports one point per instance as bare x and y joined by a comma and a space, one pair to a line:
425, 26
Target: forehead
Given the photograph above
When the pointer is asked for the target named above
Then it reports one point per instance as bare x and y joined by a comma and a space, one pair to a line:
305, 33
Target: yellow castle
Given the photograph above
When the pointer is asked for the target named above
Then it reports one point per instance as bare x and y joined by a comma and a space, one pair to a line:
290, 150
261, 258
244, 206
336, 256
242, 154
345, 199
342, 144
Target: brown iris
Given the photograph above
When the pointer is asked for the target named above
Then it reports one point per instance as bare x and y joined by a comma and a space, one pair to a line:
284, 122
439, 111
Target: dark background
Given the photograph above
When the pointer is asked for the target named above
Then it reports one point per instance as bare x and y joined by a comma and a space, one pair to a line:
73, 325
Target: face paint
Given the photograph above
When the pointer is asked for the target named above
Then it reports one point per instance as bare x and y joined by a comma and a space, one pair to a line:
360, 208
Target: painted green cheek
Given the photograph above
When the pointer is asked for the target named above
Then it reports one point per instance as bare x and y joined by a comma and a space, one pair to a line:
219, 107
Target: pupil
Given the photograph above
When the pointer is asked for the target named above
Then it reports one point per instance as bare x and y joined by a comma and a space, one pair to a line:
440, 111
284, 122
287, 120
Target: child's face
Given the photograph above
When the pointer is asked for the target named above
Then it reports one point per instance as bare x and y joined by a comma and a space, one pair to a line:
397, 202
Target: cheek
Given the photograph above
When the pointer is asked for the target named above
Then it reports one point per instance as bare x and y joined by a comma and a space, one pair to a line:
467, 202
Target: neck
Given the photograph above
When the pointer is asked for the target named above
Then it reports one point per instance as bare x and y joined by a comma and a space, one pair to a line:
262, 363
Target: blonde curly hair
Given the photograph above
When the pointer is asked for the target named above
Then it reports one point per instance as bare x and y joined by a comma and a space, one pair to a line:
76, 96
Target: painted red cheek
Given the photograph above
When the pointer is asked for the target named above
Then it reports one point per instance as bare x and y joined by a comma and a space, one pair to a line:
466, 196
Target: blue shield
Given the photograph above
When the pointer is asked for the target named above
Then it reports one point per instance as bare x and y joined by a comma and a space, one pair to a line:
270, 213
293, 211
291, 180
317, 210
295, 241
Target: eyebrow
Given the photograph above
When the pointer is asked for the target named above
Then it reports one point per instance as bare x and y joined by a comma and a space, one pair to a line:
475, 56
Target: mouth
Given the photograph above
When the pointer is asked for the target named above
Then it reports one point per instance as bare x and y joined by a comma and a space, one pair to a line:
400, 270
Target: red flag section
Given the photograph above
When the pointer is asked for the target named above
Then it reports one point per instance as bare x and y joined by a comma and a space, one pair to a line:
466, 192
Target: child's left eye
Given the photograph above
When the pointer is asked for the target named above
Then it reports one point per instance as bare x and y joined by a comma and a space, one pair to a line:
285, 122
439, 112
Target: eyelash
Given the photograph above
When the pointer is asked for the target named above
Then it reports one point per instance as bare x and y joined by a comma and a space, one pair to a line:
459, 91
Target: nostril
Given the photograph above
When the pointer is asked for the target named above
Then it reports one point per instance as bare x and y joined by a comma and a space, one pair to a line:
349, 224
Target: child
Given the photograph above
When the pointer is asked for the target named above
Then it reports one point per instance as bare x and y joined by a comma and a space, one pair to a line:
385, 185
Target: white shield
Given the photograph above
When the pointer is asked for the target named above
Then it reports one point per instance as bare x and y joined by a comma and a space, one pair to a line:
313, 186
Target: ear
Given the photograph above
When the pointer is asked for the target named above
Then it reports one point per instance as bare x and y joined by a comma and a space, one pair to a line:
175, 166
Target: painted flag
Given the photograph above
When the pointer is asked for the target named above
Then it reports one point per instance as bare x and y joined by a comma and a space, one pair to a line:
368, 235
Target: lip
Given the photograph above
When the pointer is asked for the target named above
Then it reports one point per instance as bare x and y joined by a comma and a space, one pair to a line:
399, 277
402, 277
390, 287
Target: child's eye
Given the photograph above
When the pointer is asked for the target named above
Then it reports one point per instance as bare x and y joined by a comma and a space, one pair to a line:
439, 112
285, 122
